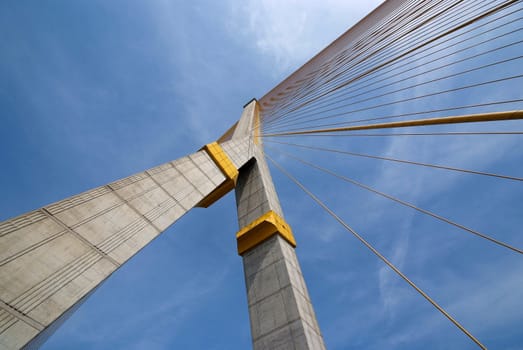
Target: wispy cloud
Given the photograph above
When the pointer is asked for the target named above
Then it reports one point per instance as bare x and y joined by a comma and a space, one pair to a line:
421, 185
287, 34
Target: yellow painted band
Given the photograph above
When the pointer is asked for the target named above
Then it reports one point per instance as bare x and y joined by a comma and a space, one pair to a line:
220, 158
262, 229
226, 166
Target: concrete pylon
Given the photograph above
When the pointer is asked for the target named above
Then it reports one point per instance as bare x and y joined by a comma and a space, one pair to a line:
280, 310
52, 258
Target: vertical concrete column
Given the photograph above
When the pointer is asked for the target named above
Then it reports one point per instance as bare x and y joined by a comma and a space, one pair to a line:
280, 310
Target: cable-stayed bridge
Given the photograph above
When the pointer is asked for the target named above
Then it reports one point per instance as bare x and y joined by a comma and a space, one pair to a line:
446, 76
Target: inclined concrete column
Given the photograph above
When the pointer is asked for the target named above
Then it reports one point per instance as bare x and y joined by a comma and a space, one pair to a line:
280, 310
52, 258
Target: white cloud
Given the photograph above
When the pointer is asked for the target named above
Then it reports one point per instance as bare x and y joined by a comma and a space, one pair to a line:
290, 32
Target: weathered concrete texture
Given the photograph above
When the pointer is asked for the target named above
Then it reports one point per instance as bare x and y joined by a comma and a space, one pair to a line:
245, 125
255, 193
280, 310
238, 151
52, 257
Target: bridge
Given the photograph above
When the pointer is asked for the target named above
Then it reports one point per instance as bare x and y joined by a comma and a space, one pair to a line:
439, 194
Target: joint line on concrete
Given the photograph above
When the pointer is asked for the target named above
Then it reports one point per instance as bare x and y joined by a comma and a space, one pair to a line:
207, 176
294, 289
277, 329
136, 211
164, 191
92, 217
160, 185
285, 304
187, 179
80, 237
275, 292
22, 317
32, 247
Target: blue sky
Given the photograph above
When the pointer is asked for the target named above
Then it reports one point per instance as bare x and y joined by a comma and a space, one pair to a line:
94, 91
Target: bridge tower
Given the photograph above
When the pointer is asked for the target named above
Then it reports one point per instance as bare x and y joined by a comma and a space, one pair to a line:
53, 258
